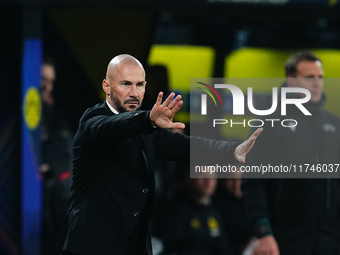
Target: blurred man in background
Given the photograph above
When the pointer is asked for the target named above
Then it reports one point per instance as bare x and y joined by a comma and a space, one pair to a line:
56, 159
297, 216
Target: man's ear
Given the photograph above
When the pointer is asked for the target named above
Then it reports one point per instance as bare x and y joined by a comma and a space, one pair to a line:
106, 87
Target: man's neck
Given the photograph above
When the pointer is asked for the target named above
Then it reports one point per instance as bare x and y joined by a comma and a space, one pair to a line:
111, 107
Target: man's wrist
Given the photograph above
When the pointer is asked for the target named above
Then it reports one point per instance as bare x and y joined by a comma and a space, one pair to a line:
153, 124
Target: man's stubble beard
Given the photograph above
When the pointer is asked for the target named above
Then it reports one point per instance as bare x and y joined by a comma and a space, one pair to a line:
121, 108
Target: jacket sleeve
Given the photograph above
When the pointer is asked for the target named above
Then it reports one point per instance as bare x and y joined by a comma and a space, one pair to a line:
101, 127
175, 146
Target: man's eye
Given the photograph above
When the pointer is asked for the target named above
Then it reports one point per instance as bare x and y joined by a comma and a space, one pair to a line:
140, 84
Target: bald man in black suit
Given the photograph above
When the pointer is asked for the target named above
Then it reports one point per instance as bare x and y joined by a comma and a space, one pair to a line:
114, 150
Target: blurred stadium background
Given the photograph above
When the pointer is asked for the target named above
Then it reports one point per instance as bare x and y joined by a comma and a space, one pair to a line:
191, 38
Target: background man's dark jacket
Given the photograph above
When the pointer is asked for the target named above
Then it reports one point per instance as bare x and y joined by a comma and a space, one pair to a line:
303, 213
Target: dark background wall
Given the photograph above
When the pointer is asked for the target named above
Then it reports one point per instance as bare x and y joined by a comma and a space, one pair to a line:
10, 80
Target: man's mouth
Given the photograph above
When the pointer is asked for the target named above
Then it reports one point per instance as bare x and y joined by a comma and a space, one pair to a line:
132, 102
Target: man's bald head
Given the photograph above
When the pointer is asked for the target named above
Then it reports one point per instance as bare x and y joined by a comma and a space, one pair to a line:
125, 83
120, 60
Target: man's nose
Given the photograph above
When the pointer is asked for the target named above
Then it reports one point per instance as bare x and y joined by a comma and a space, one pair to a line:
318, 82
133, 91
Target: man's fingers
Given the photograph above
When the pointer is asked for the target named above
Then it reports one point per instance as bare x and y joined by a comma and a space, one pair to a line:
177, 107
170, 102
179, 125
169, 99
165, 111
174, 102
159, 98
256, 133
254, 136
242, 160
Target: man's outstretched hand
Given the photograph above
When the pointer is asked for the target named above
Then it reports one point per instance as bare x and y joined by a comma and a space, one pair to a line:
242, 150
162, 113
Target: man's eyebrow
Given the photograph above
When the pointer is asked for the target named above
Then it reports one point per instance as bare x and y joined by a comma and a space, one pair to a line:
125, 81
130, 82
312, 76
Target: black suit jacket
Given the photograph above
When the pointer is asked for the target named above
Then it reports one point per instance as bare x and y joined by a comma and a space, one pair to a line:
113, 177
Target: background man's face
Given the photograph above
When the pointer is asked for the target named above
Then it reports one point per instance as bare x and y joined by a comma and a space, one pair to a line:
204, 186
47, 79
310, 76
128, 87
